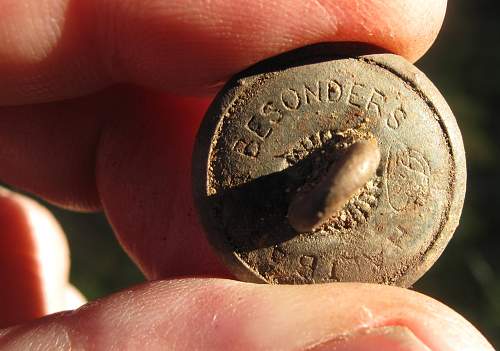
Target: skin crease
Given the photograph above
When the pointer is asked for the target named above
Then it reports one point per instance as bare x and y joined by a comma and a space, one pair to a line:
55, 49
213, 314
86, 156
127, 150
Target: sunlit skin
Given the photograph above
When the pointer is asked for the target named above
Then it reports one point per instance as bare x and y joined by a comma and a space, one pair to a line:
99, 141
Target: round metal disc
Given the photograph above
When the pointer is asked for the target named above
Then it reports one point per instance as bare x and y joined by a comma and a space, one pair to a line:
269, 135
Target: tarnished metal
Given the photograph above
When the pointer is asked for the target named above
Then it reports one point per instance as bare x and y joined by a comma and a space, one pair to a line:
346, 177
269, 137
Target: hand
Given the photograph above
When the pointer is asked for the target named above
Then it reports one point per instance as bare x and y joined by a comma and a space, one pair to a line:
76, 129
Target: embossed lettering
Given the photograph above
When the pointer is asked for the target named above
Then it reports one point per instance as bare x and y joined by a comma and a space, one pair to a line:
290, 99
307, 267
396, 118
333, 272
278, 254
262, 125
353, 97
311, 94
304, 146
331, 91
259, 127
367, 99
375, 102
247, 148
334, 91
269, 110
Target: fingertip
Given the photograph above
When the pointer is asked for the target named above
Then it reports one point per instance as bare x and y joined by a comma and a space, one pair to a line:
220, 315
188, 48
210, 49
18, 265
406, 28
34, 260
419, 34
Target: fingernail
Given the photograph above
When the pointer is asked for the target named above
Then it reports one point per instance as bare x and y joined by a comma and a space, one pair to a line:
391, 338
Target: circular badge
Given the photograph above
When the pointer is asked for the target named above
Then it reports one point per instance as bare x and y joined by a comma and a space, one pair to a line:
271, 135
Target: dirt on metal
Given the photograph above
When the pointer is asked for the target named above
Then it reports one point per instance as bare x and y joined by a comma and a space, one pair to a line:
272, 135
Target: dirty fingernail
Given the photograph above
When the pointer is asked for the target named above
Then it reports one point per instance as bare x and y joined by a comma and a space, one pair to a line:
391, 338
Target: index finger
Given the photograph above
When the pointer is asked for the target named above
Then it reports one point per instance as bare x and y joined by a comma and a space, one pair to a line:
131, 154
54, 49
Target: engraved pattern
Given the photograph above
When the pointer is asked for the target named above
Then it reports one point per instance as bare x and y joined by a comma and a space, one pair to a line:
247, 148
332, 143
408, 176
382, 111
307, 266
358, 209
397, 236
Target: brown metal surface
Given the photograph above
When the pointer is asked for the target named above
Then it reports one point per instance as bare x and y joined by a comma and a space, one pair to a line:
272, 135
348, 175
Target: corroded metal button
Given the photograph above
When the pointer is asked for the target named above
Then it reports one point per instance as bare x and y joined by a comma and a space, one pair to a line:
270, 139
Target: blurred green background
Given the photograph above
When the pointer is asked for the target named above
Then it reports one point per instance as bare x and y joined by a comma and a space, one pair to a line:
464, 64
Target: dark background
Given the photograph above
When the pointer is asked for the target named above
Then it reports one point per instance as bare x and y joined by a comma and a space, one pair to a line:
464, 64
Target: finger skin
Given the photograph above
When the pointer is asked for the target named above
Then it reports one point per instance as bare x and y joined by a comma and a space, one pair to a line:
206, 314
138, 150
50, 149
34, 260
130, 153
18, 269
144, 181
54, 49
